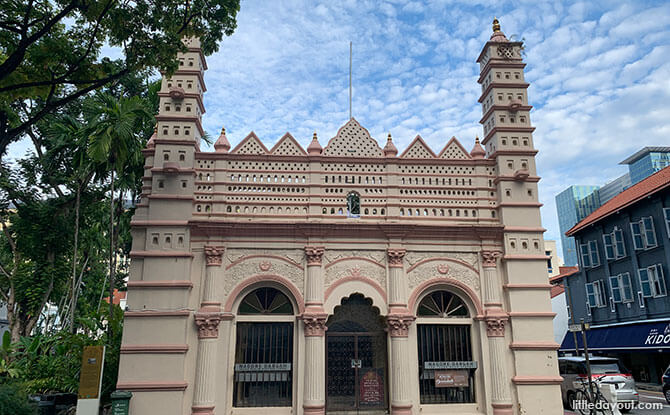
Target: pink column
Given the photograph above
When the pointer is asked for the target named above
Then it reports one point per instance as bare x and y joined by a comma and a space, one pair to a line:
398, 320
207, 319
314, 322
496, 319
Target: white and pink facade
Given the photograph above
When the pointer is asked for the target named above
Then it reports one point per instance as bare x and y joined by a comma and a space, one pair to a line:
343, 278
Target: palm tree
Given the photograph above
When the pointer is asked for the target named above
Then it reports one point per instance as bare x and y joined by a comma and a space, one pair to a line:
114, 136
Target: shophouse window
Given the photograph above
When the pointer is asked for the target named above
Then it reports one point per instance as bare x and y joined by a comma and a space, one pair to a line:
614, 246
264, 350
652, 281
595, 294
621, 288
445, 350
666, 216
590, 257
644, 234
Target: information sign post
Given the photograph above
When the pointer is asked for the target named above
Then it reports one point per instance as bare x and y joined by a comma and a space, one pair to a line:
92, 362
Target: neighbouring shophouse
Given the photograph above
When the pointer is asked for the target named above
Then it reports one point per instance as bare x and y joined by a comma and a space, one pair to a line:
345, 278
621, 288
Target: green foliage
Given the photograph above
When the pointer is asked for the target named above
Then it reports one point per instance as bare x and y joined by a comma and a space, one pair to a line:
14, 400
50, 51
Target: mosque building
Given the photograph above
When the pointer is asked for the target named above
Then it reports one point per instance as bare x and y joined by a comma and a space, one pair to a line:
347, 277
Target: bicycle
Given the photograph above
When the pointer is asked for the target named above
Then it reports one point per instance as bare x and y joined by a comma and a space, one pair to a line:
589, 400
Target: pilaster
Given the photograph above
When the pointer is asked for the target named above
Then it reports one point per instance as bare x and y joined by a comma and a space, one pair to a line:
398, 322
207, 320
314, 323
496, 319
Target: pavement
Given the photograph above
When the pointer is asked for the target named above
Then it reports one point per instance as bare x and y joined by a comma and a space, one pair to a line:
646, 397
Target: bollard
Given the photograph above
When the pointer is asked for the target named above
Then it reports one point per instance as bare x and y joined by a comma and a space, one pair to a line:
121, 402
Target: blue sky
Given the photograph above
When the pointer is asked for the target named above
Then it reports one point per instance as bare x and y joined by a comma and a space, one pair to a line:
599, 74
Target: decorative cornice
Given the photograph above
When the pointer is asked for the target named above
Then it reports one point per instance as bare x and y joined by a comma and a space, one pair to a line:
314, 255
398, 324
214, 256
395, 257
490, 258
208, 325
315, 324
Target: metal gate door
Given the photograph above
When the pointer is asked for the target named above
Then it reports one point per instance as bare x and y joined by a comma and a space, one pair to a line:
356, 371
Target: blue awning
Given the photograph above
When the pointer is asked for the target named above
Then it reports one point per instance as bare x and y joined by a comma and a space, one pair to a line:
640, 336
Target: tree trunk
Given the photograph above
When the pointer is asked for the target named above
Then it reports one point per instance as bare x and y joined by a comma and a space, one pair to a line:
75, 256
111, 259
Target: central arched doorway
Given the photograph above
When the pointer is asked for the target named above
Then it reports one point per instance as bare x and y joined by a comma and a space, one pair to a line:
356, 357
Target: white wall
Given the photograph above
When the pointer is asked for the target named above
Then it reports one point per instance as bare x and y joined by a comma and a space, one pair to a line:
558, 306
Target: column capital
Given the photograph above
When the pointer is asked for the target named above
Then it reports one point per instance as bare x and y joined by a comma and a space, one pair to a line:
495, 326
214, 255
490, 258
208, 325
398, 324
315, 324
395, 257
314, 254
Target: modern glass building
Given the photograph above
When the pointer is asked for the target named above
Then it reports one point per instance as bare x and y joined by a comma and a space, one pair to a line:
646, 162
572, 205
614, 187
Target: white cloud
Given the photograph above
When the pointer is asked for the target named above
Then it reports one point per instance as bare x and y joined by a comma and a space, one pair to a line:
598, 72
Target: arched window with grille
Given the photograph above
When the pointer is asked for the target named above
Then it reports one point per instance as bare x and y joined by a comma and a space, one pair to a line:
264, 350
446, 363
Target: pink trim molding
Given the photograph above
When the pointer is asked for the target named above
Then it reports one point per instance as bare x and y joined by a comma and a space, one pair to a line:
527, 286
257, 279
161, 284
151, 313
537, 380
502, 409
399, 409
202, 410
358, 278
358, 258
532, 314
151, 386
160, 254
444, 259
426, 285
534, 346
314, 409
287, 260
154, 348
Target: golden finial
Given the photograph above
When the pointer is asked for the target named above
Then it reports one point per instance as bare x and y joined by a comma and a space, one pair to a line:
477, 139
496, 25
156, 128
389, 137
314, 136
223, 130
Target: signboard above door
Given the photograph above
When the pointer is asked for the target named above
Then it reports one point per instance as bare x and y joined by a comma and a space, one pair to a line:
450, 365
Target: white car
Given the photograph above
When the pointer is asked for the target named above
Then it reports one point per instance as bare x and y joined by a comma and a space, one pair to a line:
604, 370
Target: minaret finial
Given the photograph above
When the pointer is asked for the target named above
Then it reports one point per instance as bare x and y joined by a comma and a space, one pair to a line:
496, 25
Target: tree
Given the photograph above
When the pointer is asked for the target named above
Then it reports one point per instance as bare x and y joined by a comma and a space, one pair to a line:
50, 50
114, 143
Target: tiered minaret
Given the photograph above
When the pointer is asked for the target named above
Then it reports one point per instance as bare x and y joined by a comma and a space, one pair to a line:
160, 279
518, 309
